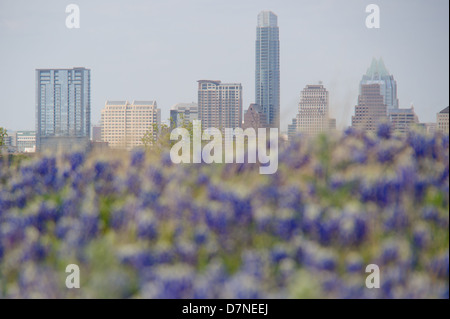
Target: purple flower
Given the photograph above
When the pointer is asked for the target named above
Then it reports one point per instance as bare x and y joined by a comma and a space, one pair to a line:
384, 131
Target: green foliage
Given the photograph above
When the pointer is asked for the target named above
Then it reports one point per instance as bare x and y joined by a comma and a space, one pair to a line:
3, 136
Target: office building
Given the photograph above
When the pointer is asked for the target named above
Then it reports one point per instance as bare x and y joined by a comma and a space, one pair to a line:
371, 109
403, 120
25, 141
442, 121
254, 117
63, 109
219, 104
124, 124
96, 133
377, 73
267, 72
292, 129
313, 111
181, 114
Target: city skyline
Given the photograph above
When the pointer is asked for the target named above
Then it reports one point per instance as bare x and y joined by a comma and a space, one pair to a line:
404, 30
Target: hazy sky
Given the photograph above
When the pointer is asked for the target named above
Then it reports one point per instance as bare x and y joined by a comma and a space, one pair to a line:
145, 50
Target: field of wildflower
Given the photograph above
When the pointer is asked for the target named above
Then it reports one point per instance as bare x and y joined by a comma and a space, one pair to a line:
139, 226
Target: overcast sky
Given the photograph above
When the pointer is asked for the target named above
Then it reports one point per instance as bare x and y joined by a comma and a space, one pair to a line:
145, 50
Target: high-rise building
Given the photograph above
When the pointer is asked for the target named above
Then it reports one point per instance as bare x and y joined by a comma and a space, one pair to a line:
267, 73
313, 110
371, 109
183, 113
63, 108
254, 117
378, 74
124, 124
219, 104
443, 120
403, 120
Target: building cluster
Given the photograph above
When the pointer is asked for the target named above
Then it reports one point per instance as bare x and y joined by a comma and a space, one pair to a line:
63, 106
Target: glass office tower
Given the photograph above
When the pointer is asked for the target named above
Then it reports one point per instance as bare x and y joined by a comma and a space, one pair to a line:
267, 74
63, 108
377, 73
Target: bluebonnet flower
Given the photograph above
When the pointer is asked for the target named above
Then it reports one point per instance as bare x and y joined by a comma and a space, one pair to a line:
147, 228
439, 266
137, 158
384, 130
76, 159
242, 286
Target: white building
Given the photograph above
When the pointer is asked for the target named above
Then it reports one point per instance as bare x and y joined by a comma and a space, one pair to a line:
313, 111
124, 124
443, 120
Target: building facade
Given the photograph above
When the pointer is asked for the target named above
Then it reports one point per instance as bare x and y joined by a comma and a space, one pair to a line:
442, 121
96, 133
377, 73
267, 72
371, 110
124, 124
292, 129
183, 113
403, 120
25, 141
219, 104
313, 111
254, 117
63, 108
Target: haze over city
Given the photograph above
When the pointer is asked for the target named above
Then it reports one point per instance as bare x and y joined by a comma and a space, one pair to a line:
157, 50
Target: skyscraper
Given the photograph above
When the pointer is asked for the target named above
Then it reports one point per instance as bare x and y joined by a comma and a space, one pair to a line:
267, 73
219, 104
63, 108
124, 124
371, 110
313, 110
378, 74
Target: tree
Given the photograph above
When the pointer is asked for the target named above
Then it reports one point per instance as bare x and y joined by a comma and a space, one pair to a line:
158, 136
3, 136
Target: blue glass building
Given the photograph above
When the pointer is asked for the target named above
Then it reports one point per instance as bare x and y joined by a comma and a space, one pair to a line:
267, 74
63, 108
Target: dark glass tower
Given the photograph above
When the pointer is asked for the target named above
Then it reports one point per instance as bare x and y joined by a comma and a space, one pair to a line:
63, 108
267, 73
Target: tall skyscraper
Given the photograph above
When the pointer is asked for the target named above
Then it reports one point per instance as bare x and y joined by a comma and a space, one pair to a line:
63, 108
267, 73
378, 74
313, 110
371, 109
219, 104
124, 124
